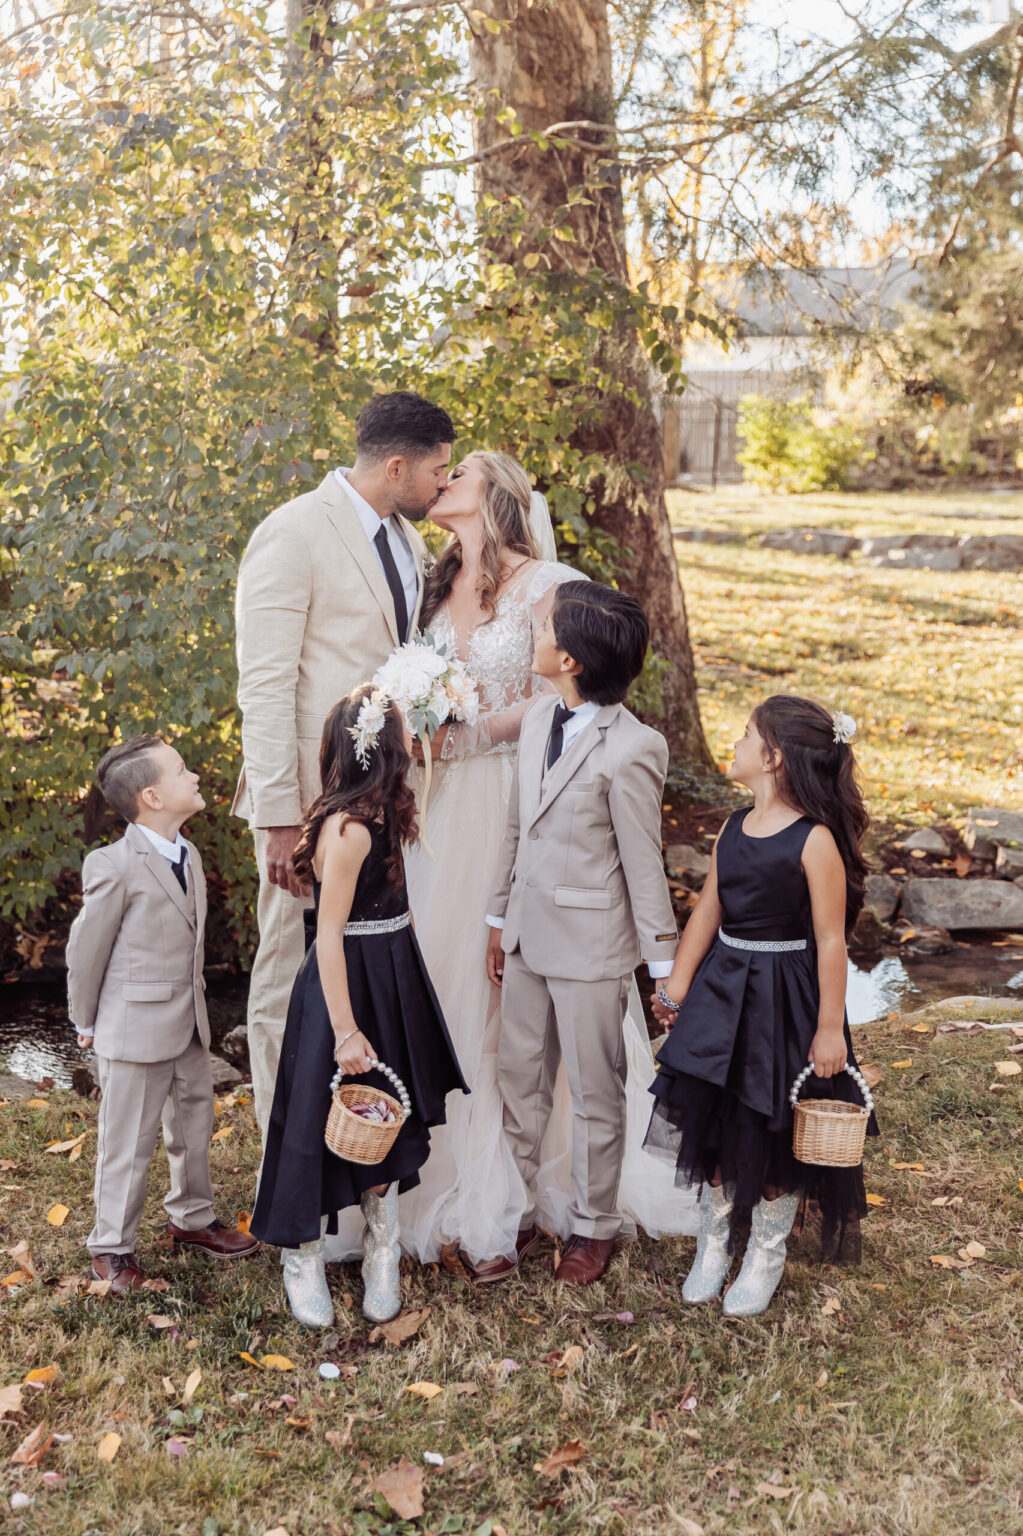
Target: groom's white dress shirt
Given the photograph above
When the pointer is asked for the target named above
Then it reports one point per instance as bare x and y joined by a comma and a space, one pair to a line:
372, 522
580, 717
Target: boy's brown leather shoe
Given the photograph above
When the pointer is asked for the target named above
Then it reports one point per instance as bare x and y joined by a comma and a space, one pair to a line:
493, 1269
121, 1269
220, 1241
585, 1260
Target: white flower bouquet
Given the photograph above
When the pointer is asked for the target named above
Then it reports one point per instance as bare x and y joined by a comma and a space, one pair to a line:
429, 682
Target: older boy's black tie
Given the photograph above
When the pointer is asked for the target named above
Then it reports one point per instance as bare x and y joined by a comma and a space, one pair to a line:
393, 581
556, 743
178, 866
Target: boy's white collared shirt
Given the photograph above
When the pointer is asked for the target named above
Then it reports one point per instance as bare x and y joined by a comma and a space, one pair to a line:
582, 714
171, 851
372, 522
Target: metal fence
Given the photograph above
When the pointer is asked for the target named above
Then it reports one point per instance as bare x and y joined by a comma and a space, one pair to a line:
700, 427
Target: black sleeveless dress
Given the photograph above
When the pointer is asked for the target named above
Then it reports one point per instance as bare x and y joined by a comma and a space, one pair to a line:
743, 1035
397, 1010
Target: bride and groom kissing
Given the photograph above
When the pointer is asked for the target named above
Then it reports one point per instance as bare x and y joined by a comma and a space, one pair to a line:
545, 1020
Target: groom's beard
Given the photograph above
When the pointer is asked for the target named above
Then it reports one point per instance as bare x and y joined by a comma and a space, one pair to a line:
416, 513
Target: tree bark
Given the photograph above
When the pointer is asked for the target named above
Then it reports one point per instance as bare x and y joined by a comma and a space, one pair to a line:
551, 61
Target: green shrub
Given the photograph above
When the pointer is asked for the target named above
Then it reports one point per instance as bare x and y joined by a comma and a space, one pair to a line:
786, 450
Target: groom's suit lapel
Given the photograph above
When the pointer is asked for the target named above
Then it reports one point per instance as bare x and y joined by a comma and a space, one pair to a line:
345, 521
575, 754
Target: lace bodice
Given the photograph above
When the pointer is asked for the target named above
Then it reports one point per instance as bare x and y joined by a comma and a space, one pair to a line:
498, 655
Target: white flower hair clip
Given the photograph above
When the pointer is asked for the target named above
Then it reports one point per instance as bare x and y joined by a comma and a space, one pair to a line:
371, 719
845, 727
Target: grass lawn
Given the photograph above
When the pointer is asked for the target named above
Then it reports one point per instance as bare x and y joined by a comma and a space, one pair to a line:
883, 1401
929, 662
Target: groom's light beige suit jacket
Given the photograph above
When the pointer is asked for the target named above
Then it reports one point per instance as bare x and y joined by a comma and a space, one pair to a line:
315, 618
582, 888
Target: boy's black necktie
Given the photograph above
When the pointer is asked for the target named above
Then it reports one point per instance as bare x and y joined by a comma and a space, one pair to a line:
178, 866
554, 747
393, 581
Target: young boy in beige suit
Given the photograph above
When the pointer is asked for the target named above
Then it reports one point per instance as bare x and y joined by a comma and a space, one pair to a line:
136, 994
582, 898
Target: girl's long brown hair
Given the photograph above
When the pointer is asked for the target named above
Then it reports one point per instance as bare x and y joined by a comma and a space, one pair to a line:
377, 793
818, 777
505, 509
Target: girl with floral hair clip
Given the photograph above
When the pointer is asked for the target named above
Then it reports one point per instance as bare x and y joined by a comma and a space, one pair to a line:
757, 991
362, 997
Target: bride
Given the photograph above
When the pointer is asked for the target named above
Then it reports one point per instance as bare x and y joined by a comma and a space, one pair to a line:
489, 593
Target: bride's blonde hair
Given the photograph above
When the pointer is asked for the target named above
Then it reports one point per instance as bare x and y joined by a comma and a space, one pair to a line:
505, 512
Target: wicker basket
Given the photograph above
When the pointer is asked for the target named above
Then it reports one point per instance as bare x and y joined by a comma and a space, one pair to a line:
829, 1132
350, 1136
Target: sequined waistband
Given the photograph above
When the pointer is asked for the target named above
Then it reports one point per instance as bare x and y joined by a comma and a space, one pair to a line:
359, 930
769, 946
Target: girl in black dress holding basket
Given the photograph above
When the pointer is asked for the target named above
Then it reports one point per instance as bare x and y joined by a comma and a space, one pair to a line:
756, 992
362, 999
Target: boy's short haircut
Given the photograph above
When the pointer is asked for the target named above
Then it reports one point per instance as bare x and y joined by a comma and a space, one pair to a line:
125, 771
606, 632
402, 422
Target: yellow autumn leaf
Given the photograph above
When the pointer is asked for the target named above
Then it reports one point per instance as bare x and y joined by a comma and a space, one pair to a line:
530, 260
43, 1373
1008, 1068
108, 1446
913, 1167
975, 1250
19, 1277
920, 1029
250, 1358
277, 1363
191, 1385
907, 1063
425, 1389
37, 1103
57, 1215
876, 1200
225, 1130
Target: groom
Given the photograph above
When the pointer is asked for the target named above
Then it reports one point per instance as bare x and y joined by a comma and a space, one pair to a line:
330, 583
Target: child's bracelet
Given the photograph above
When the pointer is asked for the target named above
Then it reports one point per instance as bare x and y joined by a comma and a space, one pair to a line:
349, 1035
663, 998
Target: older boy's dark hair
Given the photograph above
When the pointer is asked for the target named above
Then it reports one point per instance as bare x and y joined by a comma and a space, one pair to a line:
606, 632
125, 771
402, 422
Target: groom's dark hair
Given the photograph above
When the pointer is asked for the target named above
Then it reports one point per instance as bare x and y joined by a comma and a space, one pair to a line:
606, 632
403, 423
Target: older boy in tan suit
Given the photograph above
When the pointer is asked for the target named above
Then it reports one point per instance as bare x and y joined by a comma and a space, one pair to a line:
582, 898
329, 585
136, 994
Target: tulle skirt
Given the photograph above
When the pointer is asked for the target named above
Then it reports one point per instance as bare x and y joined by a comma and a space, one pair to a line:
470, 1191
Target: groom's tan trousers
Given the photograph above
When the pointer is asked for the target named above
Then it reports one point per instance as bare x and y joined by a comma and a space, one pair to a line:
280, 953
545, 1020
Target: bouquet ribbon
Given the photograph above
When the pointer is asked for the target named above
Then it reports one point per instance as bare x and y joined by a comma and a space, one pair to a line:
427, 780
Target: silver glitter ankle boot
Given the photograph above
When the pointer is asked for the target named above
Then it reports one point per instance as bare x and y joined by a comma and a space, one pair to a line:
705, 1279
381, 1299
305, 1282
765, 1257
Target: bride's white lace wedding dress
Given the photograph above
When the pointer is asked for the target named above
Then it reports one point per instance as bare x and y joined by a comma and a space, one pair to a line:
470, 1190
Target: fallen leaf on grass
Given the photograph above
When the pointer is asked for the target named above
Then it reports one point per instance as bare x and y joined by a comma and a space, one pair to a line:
470, 1389
57, 1215
75, 1153
899, 1065
973, 1250
156, 1284
177, 1447
564, 1361
244, 1354
401, 1327
98, 1287
277, 1363
831, 1306
821, 1382
159, 1320
876, 1200
33, 1448
426, 1389
225, 1130
169, 1389
340, 1438
191, 1386
244, 1219
872, 1075
65, 1146
22, 1256
1008, 1068
565, 1456
54, 1480
108, 1446
402, 1487
16, 1277
10, 1400
685, 1525
944, 1261
42, 1374
775, 1490
37, 1103
913, 1167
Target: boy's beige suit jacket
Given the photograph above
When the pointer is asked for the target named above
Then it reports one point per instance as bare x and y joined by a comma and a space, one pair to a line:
582, 887
314, 618
135, 953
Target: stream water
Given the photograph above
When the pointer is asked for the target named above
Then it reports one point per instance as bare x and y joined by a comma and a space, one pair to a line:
36, 1040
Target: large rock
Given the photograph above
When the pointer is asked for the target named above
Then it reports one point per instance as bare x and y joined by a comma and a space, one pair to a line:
687, 860
881, 896
235, 1048
224, 1075
960, 904
994, 828
1009, 862
920, 551
810, 541
926, 838
12, 1087
996, 552
708, 536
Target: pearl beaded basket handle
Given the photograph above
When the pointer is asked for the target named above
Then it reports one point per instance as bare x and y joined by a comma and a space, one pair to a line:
350, 1136
830, 1133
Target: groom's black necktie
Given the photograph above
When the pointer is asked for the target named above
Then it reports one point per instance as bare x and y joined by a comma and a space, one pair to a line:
557, 741
393, 581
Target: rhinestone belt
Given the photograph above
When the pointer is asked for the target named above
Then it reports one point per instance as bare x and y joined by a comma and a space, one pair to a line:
770, 946
377, 925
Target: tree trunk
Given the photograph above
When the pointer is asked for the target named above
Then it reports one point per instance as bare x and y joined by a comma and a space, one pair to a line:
551, 62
